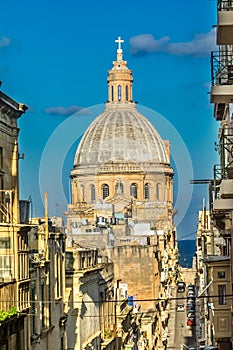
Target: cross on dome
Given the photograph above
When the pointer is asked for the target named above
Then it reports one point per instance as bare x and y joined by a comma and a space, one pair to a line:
119, 41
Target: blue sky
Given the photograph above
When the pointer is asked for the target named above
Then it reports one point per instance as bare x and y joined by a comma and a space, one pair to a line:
54, 57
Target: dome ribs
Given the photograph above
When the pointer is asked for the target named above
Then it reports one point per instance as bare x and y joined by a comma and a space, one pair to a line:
121, 134
158, 142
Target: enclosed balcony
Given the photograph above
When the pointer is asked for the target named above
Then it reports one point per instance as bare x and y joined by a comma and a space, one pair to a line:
225, 22
222, 77
223, 204
222, 189
226, 189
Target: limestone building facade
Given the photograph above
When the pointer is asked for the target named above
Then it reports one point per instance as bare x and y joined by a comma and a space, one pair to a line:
90, 295
14, 267
32, 269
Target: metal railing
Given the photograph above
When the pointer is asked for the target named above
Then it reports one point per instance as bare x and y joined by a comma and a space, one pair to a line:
222, 68
225, 150
225, 5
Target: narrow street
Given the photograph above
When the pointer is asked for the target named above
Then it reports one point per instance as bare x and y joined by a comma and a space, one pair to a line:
181, 336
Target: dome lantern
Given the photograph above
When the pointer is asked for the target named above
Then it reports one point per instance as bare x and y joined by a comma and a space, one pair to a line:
120, 79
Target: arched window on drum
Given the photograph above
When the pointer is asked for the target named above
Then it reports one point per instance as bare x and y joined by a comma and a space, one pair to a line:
134, 190
158, 191
82, 193
105, 191
146, 191
93, 193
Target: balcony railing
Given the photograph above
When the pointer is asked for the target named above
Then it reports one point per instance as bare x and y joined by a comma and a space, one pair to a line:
226, 153
221, 68
224, 170
225, 5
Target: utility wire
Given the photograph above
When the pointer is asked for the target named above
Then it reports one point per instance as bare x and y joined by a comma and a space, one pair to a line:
121, 300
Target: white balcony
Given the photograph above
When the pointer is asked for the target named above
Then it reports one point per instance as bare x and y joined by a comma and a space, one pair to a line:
221, 94
223, 204
225, 27
226, 189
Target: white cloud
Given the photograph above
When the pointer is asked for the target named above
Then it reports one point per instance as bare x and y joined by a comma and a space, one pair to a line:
65, 111
4, 41
145, 43
200, 46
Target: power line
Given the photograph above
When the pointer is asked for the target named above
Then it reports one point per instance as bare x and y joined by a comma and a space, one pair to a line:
121, 300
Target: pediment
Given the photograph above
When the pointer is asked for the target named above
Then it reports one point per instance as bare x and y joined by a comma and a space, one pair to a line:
119, 201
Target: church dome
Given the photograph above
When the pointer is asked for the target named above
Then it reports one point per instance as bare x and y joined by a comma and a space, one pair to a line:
121, 134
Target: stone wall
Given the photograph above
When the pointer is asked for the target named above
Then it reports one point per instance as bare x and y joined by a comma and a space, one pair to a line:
136, 266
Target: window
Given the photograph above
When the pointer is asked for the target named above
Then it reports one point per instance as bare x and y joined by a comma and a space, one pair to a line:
221, 274
82, 262
119, 93
127, 93
23, 296
33, 309
222, 294
5, 243
146, 191
74, 224
58, 274
105, 191
134, 190
43, 305
92, 193
5, 266
112, 93
58, 268
157, 191
82, 193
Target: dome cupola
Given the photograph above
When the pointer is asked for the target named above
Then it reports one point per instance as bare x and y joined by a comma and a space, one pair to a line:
120, 79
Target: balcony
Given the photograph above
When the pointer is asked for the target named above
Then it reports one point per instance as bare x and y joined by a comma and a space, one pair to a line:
225, 22
226, 189
223, 204
222, 78
221, 188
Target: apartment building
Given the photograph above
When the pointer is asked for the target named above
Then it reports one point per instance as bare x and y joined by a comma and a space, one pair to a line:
14, 267
31, 255
217, 245
89, 299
